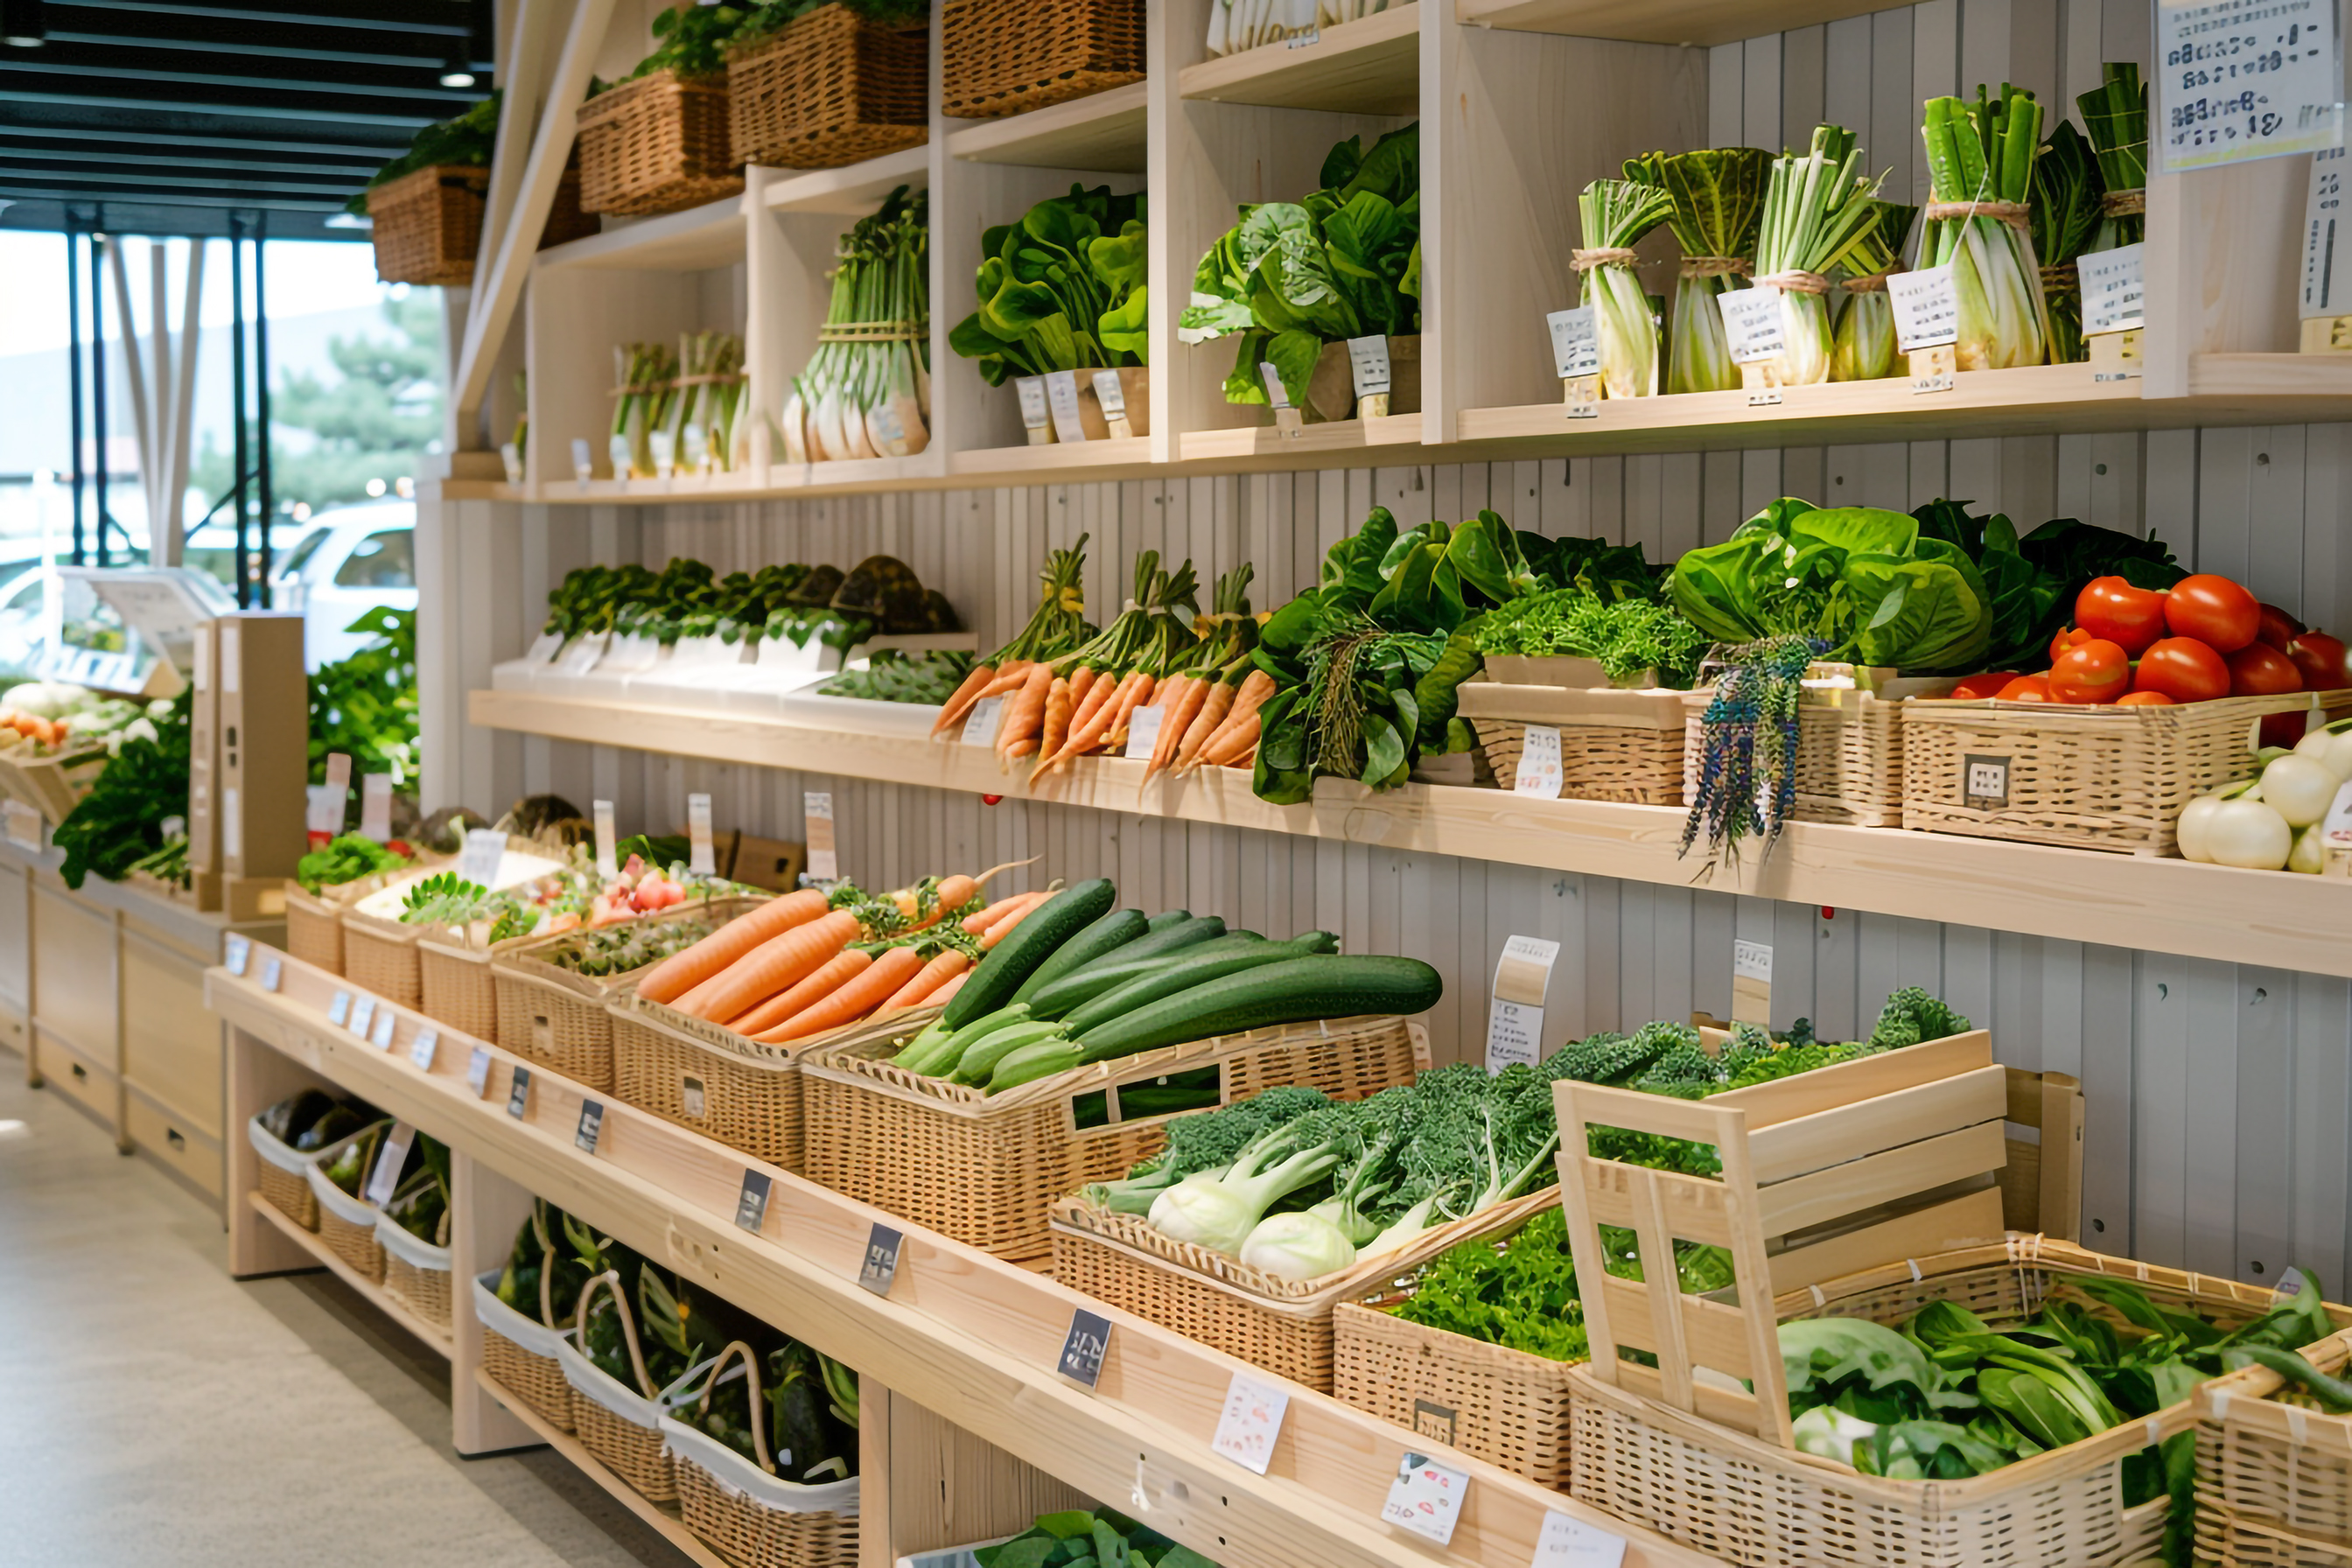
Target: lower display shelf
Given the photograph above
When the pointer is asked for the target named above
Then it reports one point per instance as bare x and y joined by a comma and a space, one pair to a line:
662, 1520
434, 1338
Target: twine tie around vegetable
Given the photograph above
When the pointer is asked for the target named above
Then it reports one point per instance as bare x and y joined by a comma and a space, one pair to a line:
1714, 266
2013, 214
2125, 203
874, 333
1603, 255
2061, 279
1795, 282
1868, 283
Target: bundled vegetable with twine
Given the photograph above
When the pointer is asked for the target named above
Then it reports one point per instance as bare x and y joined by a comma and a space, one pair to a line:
1817, 210
706, 418
1866, 346
2114, 113
866, 392
1616, 216
645, 378
1980, 160
2066, 214
1718, 200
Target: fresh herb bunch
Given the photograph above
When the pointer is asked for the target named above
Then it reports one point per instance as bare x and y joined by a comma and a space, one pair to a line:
866, 390
1061, 289
1748, 757
1628, 638
893, 675
602, 952
120, 821
692, 41
1616, 216
364, 705
344, 859
465, 141
448, 899
1718, 200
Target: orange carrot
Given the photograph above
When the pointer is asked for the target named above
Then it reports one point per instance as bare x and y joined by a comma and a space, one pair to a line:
1004, 928
1113, 740
1205, 724
1082, 681
952, 894
1176, 701
1252, 696
940, 997
680, 972
852, 1002
1007, 678
974, 925
950, 964
1097, 698
1024, 711
1058, 719
1088, 733
779, 963
1235, 742
964, 697
831, 975
1020, 749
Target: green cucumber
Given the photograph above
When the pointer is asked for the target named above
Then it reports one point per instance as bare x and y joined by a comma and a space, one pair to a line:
1106, 935
935, 1044
996, 977
944, 1056
1327, 985
1167, 917
982, 1059
1187, 972
1030, 1063
1169, 937
1082, 985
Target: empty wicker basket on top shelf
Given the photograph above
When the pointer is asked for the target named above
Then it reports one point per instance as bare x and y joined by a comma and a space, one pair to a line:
427, 224
656, 145
825, 90
1008, 57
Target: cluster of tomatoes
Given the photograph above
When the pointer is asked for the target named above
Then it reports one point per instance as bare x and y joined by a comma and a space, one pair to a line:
2204, 637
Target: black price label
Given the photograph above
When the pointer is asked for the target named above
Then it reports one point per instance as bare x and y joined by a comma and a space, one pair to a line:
751, 1205
592, 1123
1084, 1346
519, 1094
880, 1268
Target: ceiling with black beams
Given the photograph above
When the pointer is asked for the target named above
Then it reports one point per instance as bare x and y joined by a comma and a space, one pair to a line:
166, 116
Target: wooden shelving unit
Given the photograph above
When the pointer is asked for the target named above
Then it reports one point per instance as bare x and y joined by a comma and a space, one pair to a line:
1370, 66
1104, 130
433, 1337
1659, 21
662, 1520
853, 190
690, 241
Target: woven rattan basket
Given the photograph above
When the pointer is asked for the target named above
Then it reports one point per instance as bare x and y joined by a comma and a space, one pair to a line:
987, 1168
658, 145
1613, 745
620, 1425
755, 1519
427, 224
453, 986
557, 1018
283, 1176
1849, 745
382, 953
2273, 1479
380, 957
825, 90
314, 929
2088, 778
1008, 57
519, 1353
347, 1225
416, 1273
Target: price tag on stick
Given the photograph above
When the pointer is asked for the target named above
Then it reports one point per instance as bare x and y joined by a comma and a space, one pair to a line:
375, 807
1143, 730
1032, 392
1751, 983
1110, 397
607, 837
980, 725
816, 816
1084, 1348
384, 1180
2114, 298
752, 1202
1368, 369
478, 861
1566, 1542
1250, 1421
1927, 307
239, 954
1062, 402
1516, 1010
1752, 322
699, 862
1425, 1498
879, 1268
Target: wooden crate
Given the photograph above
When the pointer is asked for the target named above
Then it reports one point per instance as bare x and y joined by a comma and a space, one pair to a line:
656, 145
1008, 57
1613, 745
2273, 1479
825, 90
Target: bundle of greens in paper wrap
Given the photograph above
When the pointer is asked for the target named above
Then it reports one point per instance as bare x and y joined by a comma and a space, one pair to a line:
2114, 113
1865, 347
644, 387
1061, 289
866, 392
1980, 161
1616, 216
2067, 196
1718, 200
1819, 209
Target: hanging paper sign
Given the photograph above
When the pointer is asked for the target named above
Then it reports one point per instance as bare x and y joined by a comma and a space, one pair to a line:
816, 832
1516, 1009
1250, 1421
2326, 250
2241, 80
1425, 1498
699, 861
375, 807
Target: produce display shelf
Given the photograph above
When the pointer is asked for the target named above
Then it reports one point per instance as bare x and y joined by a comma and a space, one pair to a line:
970, 1338
2268, 918
1103, 130
1125, 458
662, 1519
853, 190
1660, 21
1370, 66
436, 1340
691, 241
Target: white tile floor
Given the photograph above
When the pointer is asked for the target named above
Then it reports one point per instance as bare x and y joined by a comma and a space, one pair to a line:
156, 1413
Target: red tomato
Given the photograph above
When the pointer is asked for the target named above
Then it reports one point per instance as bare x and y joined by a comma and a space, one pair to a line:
2259, 669
2278, 628
2072, 637
2144, 699
2321, 658
2094, 671
1977, 686
2214, 610
2184, 669
2284, 729
2027, 688
2111, 608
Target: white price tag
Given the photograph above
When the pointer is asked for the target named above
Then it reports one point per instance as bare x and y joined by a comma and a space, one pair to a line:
1425, 1498
1540, 765
1110, 394
1143, 730
363, 1014
2241, 80
699, 861
751, 1202
511, 458
979, 724
1751, 960
2326, 249
2114, 300
1751, 321
607, 866
1575, 342
323, 809
478, 1071
271, 969
584, 461
478, 861
1250, 1421
384, 1180
816, 832
339, 1008
1275, 392
386, 1022
424, 1047
585, 653
1368, 365
1927, 307
1566, 1542
1032, 389
375, 807
1062, 400
1514, 1012
239, 952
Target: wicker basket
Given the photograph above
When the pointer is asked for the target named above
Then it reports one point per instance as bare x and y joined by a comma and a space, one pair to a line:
380, 957
283, 1177
987, 1168
347, 1225
755, 1519
825, 90
454, 986
519, 1353
559, 1019
620, 1426
427, 224
1613, 745
314, 929
415, 1272
658, 145
2088, 778
1008, 57
2274, 1480
1849, 745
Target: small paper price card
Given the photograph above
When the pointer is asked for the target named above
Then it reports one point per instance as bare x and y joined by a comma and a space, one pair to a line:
240, 954
878, 1270
2241, 80
816, 814
478, 861
1540, 765
607, 836
979, 724
2326, 250
2114, 299
592, 1125
1368, 365
478, 1071
363, 1015
699, 862
1566, 1542
583, 460
384, 1180
1110, 394
1752, 982
1143, 730
1927, 307
1250, 1422
1425, 1498
519, 1094
1751, 321
752, 1202
22, 824
1575, 342
583, 654
375, 807
339, 1007
1084, 1347
1516, 1012
1277, 393
325, 804
424, 1047
1062, 402
381, 1035
1031, 391
270, 972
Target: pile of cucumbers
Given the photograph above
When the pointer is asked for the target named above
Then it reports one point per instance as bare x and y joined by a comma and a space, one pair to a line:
1079, 982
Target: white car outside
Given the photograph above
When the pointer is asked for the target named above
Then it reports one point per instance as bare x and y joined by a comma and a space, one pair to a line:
355, 559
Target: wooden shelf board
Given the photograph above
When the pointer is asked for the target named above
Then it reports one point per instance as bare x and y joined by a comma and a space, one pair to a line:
2163, 906
662, 1519
691, 241
1103, 130
435, 1340
854, 190
1308, 445
1093, 459
2265, 377
1370, 66
968, 1336
1661, 21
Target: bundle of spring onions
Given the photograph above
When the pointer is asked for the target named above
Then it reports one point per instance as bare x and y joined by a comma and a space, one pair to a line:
1817, 210
866, 392
1980, 163
2115, 116
1718, 199
1616, 216
1865, 349
2066, 215
1238, 25
644, 377
706, 419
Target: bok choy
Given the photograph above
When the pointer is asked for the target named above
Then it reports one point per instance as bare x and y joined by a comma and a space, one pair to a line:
1718, 200
1617, 215
1864, 348
1063, 288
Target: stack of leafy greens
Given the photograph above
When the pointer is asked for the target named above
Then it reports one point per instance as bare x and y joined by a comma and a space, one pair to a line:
1863, 347
1081, 1540
345, 858
893, 675
464, 141
1343, 263
1616, 216
119, 822
1061, 289
794, 602
866, 390
1631, 638
2032, 582
1980, 163
364, 705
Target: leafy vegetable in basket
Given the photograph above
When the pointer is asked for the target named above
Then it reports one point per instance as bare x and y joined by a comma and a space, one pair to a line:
806, 1405
465, 140
1063, 288
2033, 582
1078, 1539
364, 704
772, 15
120, 821
1629, 638
892, 675
345, 858
420, 1200
544, 1270
605, 951
446, 899
311, 1120
691, 41
1718, 200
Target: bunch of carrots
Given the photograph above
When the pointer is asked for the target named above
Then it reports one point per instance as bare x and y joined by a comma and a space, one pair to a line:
815, 961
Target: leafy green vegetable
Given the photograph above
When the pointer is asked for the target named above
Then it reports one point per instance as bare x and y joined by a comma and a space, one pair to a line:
1628, 638
1078, 1539
1055, 288
464, 141
364, 705
120, 821
1819, 208
1718, 200
344, 860
2032, 582
692, 42
1616, 215
2116, 114
893, 675
2066, 214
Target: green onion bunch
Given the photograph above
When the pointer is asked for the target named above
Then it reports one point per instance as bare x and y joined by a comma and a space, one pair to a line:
1818, 208
643, 376
1617, 215
2115, 115
2066, 193
1864, 348
1980, 161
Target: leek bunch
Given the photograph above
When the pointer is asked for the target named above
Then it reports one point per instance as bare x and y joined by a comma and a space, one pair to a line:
2066, 214
1980, 161
1818, 209
706, 418
1718, 200
1238, 25
644, 375
866, 392
2115, 115
1866, 348
1617, 215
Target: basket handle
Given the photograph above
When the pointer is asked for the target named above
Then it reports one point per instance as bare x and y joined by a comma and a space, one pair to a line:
547, 1289
752, 1375
611, 1281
